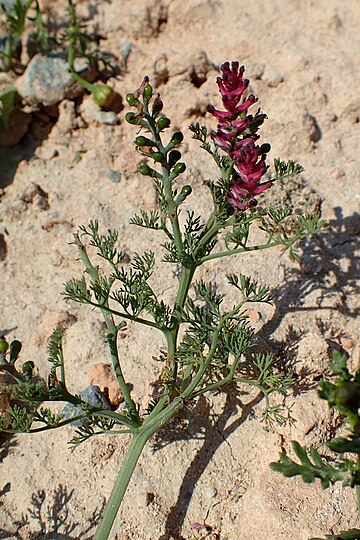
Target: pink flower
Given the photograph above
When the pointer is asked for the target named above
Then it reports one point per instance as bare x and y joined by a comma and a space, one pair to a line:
236, 135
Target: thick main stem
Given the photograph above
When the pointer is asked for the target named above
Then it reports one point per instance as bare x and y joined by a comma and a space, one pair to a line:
120, 486
140, 438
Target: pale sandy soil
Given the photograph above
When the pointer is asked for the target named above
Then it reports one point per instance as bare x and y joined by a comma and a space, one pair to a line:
214, 469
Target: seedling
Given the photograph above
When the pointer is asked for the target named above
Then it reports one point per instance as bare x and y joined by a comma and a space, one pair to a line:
205, 344
343, 395
15, 18
77, 41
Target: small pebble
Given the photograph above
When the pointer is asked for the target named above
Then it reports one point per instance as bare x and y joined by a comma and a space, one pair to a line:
114, 176
46, 153
255, 70
271, 76
107, 117
126, 49
210, 492
92, 395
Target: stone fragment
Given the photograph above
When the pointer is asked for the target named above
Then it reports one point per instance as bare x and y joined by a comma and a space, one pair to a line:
254, 70
102, 375
312, 128
46, 152
199, 68
47, 80
114, 176
107, 117
271, 76
33, 193
92, 395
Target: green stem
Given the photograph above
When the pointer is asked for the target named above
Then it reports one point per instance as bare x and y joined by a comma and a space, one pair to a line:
185, 282
140, 438
238, 250
145, 322
112, 337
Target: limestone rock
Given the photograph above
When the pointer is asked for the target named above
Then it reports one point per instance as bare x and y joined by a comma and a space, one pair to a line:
47, 80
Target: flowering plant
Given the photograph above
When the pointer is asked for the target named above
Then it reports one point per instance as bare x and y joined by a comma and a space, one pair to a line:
206, 344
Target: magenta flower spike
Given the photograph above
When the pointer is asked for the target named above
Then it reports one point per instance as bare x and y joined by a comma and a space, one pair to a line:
236, 135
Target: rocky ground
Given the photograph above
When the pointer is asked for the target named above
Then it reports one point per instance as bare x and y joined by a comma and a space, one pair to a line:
207, 476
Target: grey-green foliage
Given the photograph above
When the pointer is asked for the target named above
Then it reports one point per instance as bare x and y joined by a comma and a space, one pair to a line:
342, 394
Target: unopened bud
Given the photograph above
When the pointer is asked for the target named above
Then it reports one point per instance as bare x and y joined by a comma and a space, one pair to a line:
265, 148
145, 170
177, 138
144, 141
132, 100
158, 157
133, 118
3, 345
147, 93
179, 168
163, 123
28, 368
185, 192
174, 157
15, 348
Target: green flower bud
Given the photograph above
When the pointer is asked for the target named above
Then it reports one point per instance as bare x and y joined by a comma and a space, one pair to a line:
144, 141
177, 138
28, 368
103, 95
15, 348
3, 345
185, 191
163, 123
158, 156
133, 119
179, 168
147, 93
132, 100
145, 170
174, 157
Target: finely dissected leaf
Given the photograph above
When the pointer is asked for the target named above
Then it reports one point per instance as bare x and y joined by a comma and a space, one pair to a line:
251, 290
77, 291
286, 169
149, 220
341, 445
317, 468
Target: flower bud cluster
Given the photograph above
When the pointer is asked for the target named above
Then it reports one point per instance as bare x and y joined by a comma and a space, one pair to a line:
236, 135
150, 119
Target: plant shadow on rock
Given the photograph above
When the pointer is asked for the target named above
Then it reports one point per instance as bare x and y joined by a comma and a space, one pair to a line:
53, 521
7, 443
329, 265
326, 254
40, 127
